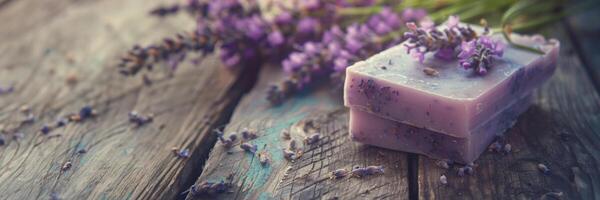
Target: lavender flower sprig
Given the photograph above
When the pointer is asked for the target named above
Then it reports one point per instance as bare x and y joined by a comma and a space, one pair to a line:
426, 39
479, 54
475, 52
338, 49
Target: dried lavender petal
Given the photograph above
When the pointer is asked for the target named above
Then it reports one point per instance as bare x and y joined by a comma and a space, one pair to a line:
461, 172
312, 139
45, 129
372, 170
66, 166
339, 173
443, 179
183, 153
442, 164
249, 135
289, 155
248, 147
543, 168
507, 148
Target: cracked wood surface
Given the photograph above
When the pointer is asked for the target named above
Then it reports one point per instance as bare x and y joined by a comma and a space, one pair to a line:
308, 177
560, 130
45, 42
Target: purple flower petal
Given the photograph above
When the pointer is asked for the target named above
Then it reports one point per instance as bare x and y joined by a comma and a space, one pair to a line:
453, 21
308, 25
412, 26
276, 38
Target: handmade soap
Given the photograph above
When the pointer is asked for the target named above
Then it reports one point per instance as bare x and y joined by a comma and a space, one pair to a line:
454, 101
374, 130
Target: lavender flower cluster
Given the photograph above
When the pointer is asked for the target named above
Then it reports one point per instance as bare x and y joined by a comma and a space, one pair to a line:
307, 40
474, 51
480, 53
339, 48
426, 39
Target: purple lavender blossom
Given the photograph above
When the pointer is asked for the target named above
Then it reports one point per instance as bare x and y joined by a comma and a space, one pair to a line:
6, 90
308, 25
412, 14
443, 43
337, 49
283, 18
310, 4
479, 54
276, 38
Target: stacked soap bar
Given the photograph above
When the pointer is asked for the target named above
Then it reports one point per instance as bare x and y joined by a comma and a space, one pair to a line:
453, 114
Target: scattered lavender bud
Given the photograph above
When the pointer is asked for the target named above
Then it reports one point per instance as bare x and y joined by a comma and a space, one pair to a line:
248, 135
139, 120
507, 148
430, 71
314, 138
468, 170
366, 171
227, 143
183, 153
495, 147
289, 155
81, 151
372, 170
45, 129
219, 133
543, 168
359, 172
209, 187
2, 139
339, 173
461, 172
233, 137
443, 179
7, 90
293, 145
248, 147
286, 134
61, 122
66, 166
264, 157
219, 187
442, 164
55, 196
86, 112
29, 119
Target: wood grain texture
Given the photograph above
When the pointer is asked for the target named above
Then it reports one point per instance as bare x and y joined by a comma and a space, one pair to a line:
586, 41
307, 177
560, 130
43, 43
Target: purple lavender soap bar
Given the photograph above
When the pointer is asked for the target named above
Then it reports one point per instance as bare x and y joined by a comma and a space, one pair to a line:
374, 130
455, 102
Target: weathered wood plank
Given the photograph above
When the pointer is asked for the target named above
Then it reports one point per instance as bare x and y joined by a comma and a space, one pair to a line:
308, 177
584, 34
561, 130
40, 50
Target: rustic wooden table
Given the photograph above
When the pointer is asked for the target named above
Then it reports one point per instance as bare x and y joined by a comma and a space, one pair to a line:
44, 43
